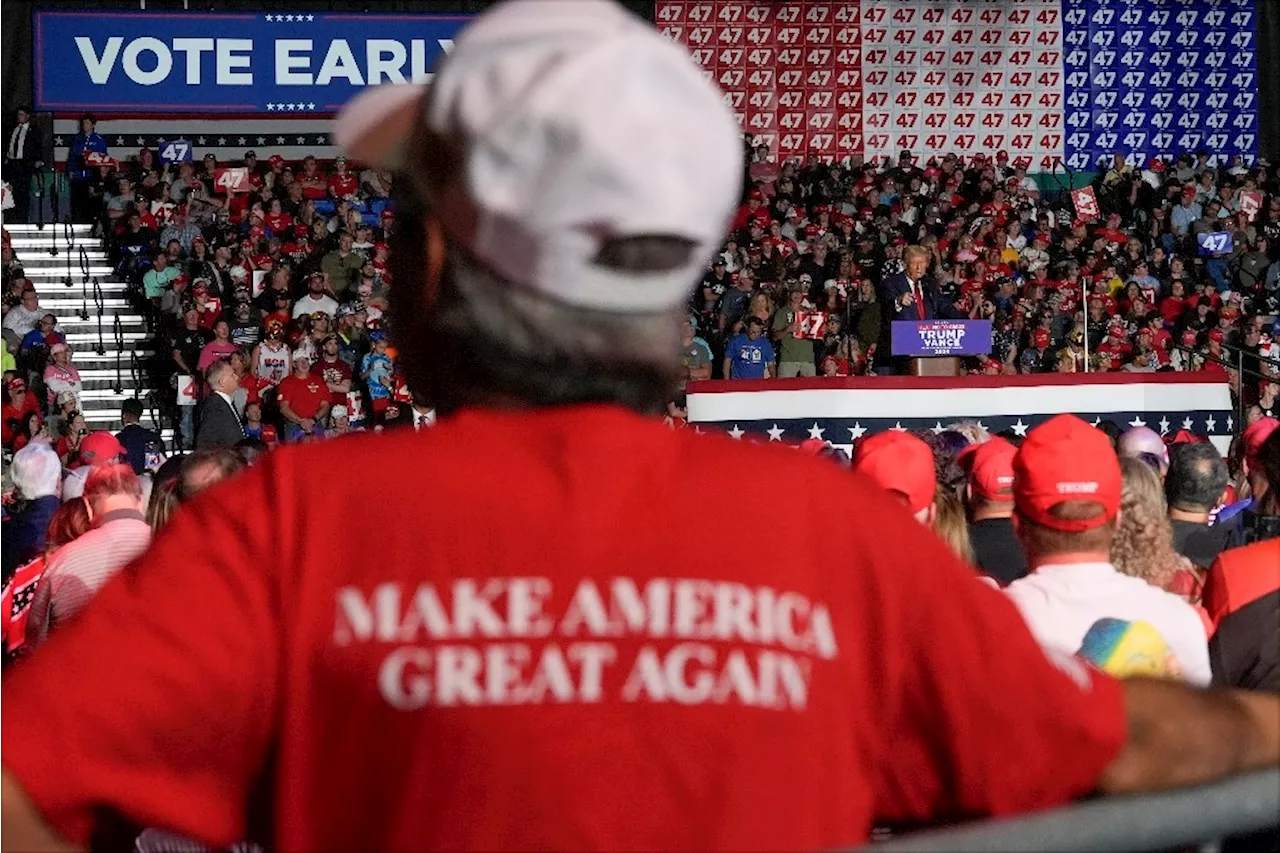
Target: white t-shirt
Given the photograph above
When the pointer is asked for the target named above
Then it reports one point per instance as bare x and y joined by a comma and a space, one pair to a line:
1061, 602
310, 305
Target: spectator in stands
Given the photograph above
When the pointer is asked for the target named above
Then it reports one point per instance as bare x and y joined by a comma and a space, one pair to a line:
84, 174
188, 344
217, 422
342, 266
218, 348
21, 319
375, 183
62, 376
333, 371
1143, 544
1057, 731
1254, 523
158, 279
36, 474
376, 369
75, 573
304, 400
69, 522
949, 524
988, 469
318, 297
143, 448
1194, 486
206, 468
1073, 583
795, 351
16, 416
748, 354
97, 449
72, 429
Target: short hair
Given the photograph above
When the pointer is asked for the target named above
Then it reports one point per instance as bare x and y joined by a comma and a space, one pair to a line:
70, 521
1196, 478
111, 480
36, 470
915, 251
215, 370
132, 407
225, 463
1038, 539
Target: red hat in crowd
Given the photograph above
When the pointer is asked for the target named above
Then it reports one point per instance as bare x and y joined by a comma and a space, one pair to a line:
1229, 312
17, 385
1189, 191
811, 232
1065, 459
1040, 338
1252, 438
1155, 164
898, 462
756, 195
1189, 337
99, 448
275, 160
388, 213
1217, 335
269, 433
381, 247
1118, 329
989, 467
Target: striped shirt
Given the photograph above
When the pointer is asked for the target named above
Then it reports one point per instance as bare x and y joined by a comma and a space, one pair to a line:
79, 569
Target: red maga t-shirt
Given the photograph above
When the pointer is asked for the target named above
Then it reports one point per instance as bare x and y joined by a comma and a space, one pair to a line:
515, 640
304, 396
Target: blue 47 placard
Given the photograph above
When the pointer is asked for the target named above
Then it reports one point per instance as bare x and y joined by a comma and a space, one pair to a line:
175, 151
1147, 77
1215, 243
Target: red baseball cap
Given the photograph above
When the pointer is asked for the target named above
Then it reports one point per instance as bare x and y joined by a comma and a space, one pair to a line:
99, 448
1217, 335
1040, 338
1065, 459
989, 466
269, 433
1257, 432
1189, 337
898, 462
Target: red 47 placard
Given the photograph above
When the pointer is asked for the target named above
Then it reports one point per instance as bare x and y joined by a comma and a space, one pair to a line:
235, 180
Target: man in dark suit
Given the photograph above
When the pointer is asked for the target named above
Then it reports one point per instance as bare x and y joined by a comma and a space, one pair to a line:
911, 295
23, 157
217, 423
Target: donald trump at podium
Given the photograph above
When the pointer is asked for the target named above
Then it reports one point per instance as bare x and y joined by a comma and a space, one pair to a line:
911, 295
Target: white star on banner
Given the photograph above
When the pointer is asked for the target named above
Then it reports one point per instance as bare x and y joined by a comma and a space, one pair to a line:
1231, 423
311, 106
938, 428
279, 140
1210, 424
311, 17
736, 433
270, 18
57, 140
302, 140
200, 141
898, 427
1097, 420
775, 434
857, 431
240, 141
816, 431
1137, 422
262, 140
141, 141
119, 140
1164, 425
222, 140
1020, 428
271, 108
289, 18
1186, 423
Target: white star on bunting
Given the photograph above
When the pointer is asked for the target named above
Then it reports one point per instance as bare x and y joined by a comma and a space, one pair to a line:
898, 427
57, 140
982, 426
240, 141
271, 108
1164, 425
200, 141
119, 140
302, 140
289, 18
141, 141
1210, 424
311, 106
736, 433
1231, 423
1020, 428
222, 140
262, 140
279, 140
938, 428
857, 431
816, 431
1137, 422
775, 434
1186, 423
1097, 421
311, 17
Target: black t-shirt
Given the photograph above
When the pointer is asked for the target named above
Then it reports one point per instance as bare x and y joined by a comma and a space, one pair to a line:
996, 549
1245, 650
142, 446
189, 342
1198, 542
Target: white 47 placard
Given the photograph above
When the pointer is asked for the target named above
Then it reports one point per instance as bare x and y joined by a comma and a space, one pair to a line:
229, 181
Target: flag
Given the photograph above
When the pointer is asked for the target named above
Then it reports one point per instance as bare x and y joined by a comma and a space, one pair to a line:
15, 603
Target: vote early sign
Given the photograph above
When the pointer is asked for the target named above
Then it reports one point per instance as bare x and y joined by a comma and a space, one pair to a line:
306, 62
941, 337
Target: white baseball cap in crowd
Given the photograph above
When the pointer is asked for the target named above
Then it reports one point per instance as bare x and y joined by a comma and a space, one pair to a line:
574, 123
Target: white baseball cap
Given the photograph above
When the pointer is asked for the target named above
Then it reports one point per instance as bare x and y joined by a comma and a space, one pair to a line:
575, 123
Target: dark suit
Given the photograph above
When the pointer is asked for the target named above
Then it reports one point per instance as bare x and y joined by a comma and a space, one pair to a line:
18, 170
217, 424
936, 307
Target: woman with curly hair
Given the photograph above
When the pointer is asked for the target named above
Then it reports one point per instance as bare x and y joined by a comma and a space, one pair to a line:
1143, 544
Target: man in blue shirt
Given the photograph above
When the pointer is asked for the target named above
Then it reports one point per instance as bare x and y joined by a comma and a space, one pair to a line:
1186, 212
749, 355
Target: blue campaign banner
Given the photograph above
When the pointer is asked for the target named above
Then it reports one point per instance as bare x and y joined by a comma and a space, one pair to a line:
175, 151
941, 337
1159, 77
308, 62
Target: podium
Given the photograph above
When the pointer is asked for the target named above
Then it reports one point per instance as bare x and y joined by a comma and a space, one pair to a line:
938, 365
934, 347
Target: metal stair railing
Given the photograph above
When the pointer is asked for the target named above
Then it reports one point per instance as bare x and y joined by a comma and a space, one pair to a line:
117, 329
98, 303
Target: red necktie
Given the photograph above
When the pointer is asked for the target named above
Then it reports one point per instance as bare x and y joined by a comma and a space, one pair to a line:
919, 295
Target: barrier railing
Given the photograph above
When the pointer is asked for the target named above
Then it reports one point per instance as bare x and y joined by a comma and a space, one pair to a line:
117, 329
98, 303
1170, 820
1237, 364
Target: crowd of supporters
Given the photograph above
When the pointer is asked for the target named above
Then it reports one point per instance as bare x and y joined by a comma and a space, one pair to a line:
1130, 290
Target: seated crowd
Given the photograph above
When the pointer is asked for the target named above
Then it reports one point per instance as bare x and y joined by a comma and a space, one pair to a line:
822, 239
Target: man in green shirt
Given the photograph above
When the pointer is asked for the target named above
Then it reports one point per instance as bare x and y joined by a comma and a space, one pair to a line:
159, 277
795, 353
342, 265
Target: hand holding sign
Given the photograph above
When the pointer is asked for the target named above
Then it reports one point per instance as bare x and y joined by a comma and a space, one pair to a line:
1086, 203
1215, 243
231, 180
1251, 203
812, 325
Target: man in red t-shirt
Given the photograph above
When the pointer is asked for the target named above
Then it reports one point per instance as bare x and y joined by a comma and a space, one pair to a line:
332, 370
304, 399
342, 184
521, 649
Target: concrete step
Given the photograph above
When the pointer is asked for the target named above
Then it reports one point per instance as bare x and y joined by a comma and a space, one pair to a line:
32, 228
59, 271
70, 301
41, 259
70, 321
89, 340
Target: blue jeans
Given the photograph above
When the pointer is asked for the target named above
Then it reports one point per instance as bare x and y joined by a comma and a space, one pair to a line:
187, 426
